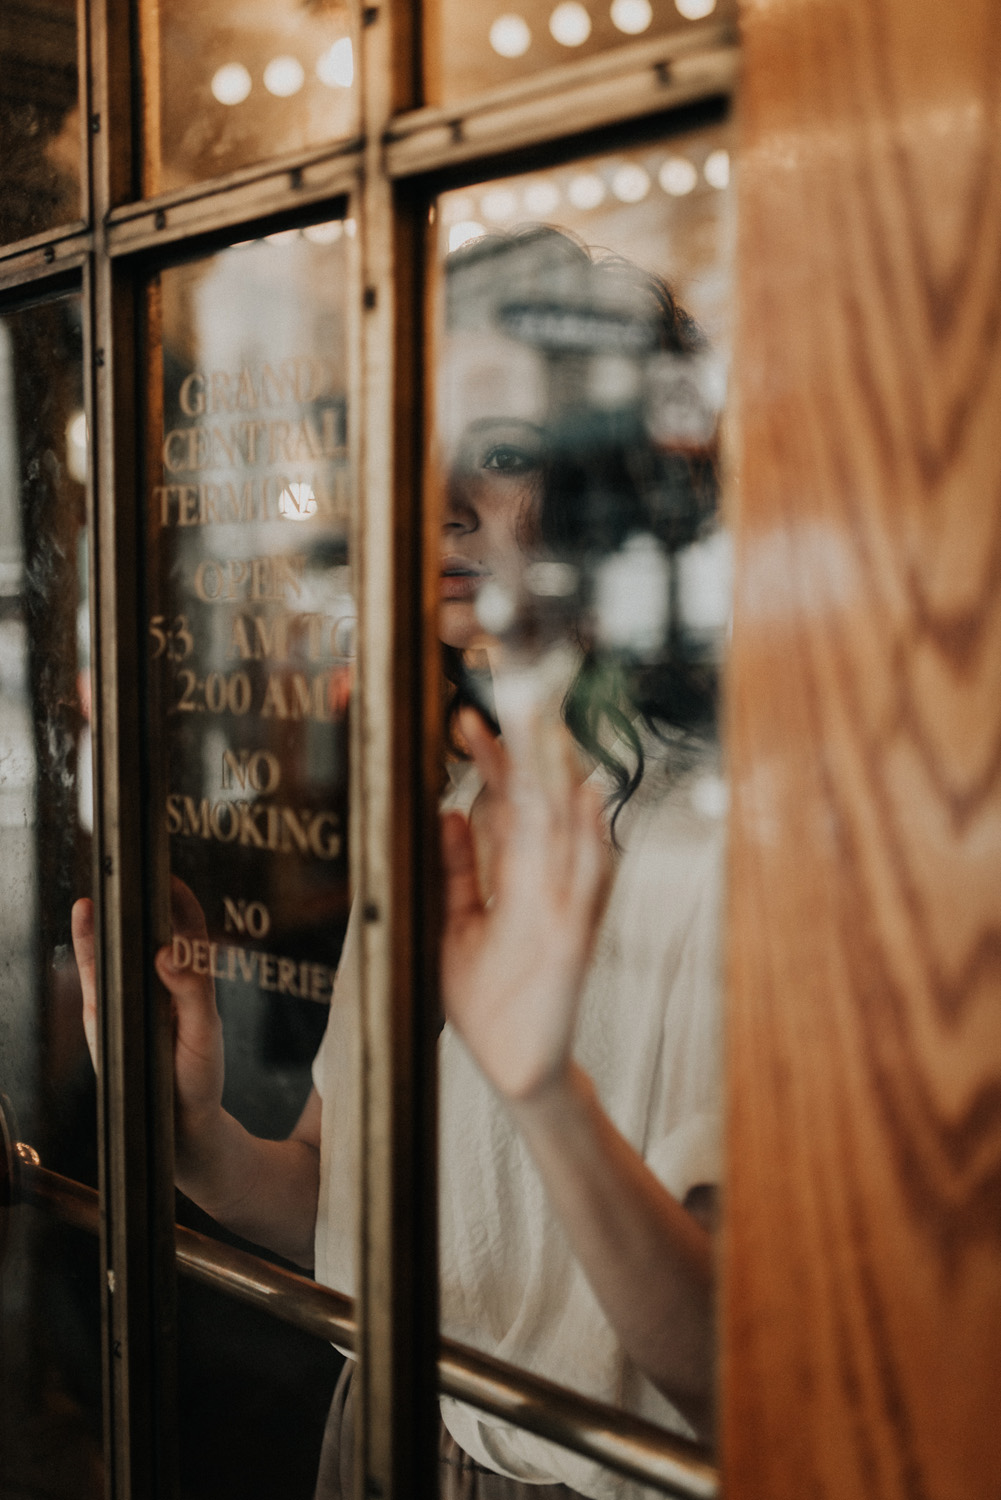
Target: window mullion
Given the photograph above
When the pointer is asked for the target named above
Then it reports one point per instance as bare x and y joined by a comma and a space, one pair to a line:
134, 1127
397, 1291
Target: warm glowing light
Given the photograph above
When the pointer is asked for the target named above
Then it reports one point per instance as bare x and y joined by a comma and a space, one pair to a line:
510, 36
633, 597
705, 584
336, 68
464, 234
570, 24
458, 206
76, 430
76, 447
677, 176
710, 796
297, 502
695, 10
499, 205
231, 83
613, 381
284, 76
282, 237
632, 16
495, 607
324, 234
541, 198
586, 190
717, 169
631, 183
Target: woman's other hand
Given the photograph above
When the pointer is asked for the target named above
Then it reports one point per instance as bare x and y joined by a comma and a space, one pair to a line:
262, 1189
198, 1041
82, 928
198, 1044
514, 958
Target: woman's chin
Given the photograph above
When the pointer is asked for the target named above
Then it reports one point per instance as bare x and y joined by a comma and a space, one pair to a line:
458, 625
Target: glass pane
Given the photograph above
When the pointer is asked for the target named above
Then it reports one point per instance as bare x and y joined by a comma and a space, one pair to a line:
40, 136
493, 42
232, 85
581, 372
251, 642
50, 1345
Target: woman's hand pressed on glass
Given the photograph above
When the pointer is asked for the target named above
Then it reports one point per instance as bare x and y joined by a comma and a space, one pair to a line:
514, 956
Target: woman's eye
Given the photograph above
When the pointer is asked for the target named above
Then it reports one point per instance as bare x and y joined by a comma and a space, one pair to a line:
508, 459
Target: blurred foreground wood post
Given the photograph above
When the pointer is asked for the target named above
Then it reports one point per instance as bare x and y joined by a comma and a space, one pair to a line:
862, 1300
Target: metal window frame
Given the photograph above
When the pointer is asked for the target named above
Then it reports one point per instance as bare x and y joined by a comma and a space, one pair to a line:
391, 172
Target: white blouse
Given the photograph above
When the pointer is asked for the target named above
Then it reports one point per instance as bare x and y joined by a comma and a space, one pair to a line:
648, 1035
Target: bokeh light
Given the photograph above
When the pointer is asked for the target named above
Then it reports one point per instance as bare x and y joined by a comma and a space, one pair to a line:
76, 447
459, 206
717, 169
336, 66
631, 16
297, 502
541, 198
631, 183
586, 190
570, 24
464, 233
695, 10
231, 83
284, 76
510, 36
499, 205
677, 176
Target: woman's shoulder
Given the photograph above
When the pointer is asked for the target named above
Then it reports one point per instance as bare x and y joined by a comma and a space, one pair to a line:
682, 795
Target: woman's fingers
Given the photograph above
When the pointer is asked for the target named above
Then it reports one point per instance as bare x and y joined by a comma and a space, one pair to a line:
488, 752
198, 1045
186, 916
192, 991
198, 1030
82, 930
458, 858
185, 984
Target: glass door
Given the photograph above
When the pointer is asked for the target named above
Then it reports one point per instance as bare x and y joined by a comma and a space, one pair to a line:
228, 728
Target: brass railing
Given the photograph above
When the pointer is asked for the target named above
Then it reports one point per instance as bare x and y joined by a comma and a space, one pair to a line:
622, 1442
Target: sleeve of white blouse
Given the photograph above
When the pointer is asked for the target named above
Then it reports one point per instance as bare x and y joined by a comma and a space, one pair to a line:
335, 1077
685, 1146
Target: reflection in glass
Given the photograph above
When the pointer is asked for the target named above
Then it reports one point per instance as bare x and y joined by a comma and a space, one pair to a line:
50, 1351
40, 138
250, 657
493, 42
585, 608
244, 83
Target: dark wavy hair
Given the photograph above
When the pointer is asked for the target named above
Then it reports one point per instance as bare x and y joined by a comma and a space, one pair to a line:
603, 479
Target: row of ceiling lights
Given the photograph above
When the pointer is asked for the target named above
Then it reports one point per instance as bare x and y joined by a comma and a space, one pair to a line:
510, 36
284, 76
570, 23
629, 183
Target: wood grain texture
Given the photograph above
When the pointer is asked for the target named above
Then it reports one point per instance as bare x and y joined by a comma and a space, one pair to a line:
862, 1295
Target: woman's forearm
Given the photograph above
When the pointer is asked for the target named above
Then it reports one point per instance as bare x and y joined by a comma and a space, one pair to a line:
265, 1191
649, 1262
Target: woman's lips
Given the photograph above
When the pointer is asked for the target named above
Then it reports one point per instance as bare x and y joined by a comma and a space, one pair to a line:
460, 580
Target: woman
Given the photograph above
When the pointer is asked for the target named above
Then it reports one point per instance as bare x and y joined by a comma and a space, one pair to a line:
579, 1108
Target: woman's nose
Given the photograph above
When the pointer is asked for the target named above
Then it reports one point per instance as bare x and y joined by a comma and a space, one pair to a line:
460, 514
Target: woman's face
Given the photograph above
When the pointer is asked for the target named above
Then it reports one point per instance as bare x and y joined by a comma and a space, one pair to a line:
489, 521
